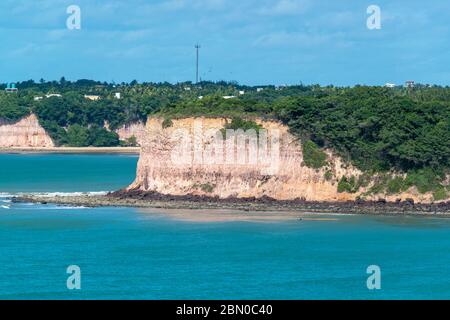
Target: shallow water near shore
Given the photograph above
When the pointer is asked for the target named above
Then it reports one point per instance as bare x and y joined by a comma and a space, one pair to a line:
65, 172
127, 253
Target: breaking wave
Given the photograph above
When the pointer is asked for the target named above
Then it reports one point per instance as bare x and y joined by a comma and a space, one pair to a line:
7, 196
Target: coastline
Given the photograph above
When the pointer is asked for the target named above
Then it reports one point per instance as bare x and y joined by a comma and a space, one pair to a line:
72, 150
152, 200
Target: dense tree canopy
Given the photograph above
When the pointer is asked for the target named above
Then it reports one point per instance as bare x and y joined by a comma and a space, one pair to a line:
374, 127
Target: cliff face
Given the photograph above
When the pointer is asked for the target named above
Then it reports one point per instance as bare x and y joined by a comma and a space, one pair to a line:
191, 157
134, 129
165, 169
24, 133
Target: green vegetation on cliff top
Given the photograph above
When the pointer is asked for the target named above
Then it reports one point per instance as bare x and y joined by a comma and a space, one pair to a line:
377, 129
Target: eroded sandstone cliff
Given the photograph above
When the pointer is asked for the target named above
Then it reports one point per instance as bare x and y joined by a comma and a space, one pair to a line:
185, 158
282, 177
128, 131
25, 133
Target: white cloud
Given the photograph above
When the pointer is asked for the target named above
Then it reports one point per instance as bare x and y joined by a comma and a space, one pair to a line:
302, 39
175, 5
285, 7
284, 38
140, 34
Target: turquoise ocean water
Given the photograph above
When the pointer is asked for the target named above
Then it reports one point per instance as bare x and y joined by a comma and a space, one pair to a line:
127, 253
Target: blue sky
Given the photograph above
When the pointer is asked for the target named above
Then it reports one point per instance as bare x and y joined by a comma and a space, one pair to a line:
249, 41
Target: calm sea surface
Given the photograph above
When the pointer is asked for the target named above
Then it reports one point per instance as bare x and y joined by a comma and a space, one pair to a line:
128, 253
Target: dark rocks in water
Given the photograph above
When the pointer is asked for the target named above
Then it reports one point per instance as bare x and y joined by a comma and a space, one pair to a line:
380, 206
136, 198
16, 200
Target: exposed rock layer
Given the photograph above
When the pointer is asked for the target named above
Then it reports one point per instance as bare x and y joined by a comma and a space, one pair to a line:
28, 133
152, 200
163, 169
25, 133
133, 129
289, 179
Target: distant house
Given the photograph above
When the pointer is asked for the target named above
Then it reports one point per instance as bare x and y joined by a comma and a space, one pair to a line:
241, 92
187, 88
91, 97
200, 97
117, 95
410, 84
390, 85
38, 98
50, 95
229, 97
11, 87
259, 89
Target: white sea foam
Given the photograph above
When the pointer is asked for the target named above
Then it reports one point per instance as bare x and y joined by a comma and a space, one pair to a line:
7, 195
6, 198
69, 194
4, 195
61, 207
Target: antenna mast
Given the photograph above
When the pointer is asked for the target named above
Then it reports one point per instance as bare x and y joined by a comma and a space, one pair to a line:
197, 47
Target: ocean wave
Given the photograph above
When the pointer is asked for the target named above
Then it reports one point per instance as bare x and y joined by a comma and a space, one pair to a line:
61, 207
5, 207
69, 194
4, 195
7, 195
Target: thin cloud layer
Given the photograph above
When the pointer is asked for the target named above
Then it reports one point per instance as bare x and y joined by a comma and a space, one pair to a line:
251, 41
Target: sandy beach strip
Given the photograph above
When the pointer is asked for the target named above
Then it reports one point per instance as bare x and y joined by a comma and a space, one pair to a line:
73, 150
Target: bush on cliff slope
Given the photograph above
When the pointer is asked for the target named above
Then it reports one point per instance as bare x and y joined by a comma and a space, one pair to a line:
243, 124
313, 157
